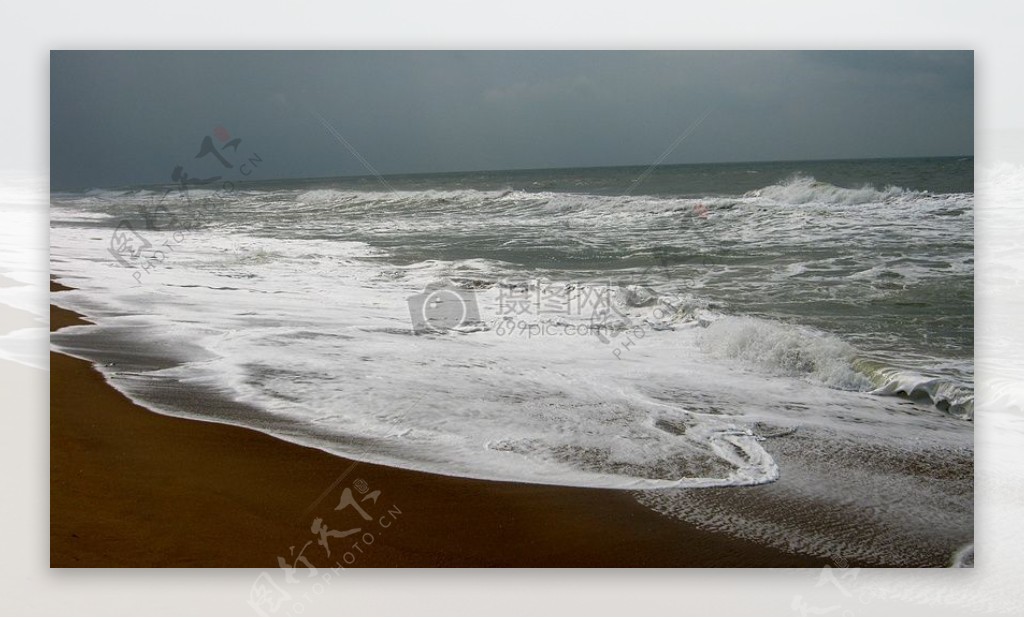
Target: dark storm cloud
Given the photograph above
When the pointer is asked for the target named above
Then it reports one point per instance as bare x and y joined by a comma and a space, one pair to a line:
121, 118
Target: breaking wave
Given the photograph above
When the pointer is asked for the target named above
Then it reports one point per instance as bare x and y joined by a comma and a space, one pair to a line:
806, 190
776, 348
782, 349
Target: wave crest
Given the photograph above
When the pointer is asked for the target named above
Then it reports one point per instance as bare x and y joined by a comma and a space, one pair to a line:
943, 393
805, 190
782, 349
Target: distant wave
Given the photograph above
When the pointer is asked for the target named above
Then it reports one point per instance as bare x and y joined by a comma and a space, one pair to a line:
805, 189
797, 190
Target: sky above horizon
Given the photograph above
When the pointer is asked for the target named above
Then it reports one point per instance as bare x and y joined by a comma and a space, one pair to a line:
123, 118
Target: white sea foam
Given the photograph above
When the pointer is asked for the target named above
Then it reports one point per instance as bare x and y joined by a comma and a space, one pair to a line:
297, 336
304, 340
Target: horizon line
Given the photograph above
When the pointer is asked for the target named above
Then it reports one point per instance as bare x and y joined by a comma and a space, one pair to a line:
525, 169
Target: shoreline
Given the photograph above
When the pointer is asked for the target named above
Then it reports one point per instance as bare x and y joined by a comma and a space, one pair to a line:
134, 488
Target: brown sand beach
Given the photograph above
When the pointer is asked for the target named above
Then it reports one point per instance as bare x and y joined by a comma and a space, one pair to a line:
133, 488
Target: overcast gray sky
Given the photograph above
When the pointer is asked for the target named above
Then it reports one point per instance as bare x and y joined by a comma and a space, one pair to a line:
120, 118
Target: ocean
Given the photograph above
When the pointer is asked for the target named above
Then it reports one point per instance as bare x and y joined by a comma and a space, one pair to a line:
688, 333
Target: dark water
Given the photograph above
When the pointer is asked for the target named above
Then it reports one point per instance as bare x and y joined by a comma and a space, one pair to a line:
934, 175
